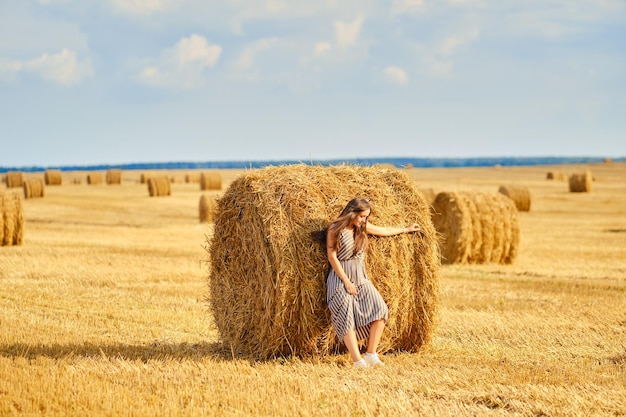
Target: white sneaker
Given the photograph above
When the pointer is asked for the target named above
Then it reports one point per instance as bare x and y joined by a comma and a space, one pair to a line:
360, 363
372, 359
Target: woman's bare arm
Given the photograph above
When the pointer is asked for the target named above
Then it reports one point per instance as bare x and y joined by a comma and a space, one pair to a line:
372, 229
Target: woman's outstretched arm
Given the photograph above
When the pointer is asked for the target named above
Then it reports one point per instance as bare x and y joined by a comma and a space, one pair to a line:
372, 229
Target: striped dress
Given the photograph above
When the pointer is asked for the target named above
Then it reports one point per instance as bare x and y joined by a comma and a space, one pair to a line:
357, 311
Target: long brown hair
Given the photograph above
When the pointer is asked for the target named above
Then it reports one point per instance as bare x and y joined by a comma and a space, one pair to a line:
352, 209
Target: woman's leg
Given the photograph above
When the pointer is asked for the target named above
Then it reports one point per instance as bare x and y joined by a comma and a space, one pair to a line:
376, 332
353, 345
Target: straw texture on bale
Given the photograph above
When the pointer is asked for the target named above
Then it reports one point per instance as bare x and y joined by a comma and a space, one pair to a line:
268, 272
476, 227
210, 181
114, 176
14, 179
519, 194
33, 188
53, 177
558, 176
11, 219
94, 178
159, 186
581, 182
193, 177
207, 207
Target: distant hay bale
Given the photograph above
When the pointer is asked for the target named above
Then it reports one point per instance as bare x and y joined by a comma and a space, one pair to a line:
581, 182
476, 227
268, 272
53, 177
76, 181
94, 178
193, 177
33, 188
409, 166
11, 219
519, 194
385, 166
114, 176
144, 177
14, 179
428, 194
207, 209
159, 186
557, 176
210, 181
608, 161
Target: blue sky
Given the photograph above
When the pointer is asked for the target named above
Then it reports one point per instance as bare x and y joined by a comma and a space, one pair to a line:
125, 81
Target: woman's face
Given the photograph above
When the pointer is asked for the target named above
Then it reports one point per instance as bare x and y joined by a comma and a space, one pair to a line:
361, 218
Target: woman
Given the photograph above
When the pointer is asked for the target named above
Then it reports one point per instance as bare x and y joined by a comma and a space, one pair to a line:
357, 310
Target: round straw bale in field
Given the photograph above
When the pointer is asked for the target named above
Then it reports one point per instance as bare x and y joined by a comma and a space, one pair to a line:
608, 161
268, 270
53, 177
193, 177
210, 181
33, 188
114, 176
159, 186
94, 178
476, 227
581, 182
11, 219
207, 209
144, 177
519, 194
15, 179
428, 194
558, 176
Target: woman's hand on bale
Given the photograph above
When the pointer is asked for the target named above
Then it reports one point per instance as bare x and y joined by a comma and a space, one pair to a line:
413, 228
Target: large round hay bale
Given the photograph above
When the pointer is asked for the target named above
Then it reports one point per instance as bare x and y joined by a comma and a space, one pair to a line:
210, 181
11, 219
94, 178
519, 194
159, 186
555, 175
114, 176
268, 273
53, 177
207, 209
14, 179
581, 182
476, 227
33, 188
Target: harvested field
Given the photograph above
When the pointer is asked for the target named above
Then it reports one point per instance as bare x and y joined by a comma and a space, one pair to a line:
103, 312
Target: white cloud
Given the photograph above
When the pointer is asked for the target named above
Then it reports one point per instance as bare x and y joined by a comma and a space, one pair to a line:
321, 48
62, 68
245, 66
183, 66
347, 33
450, 44
397, 75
